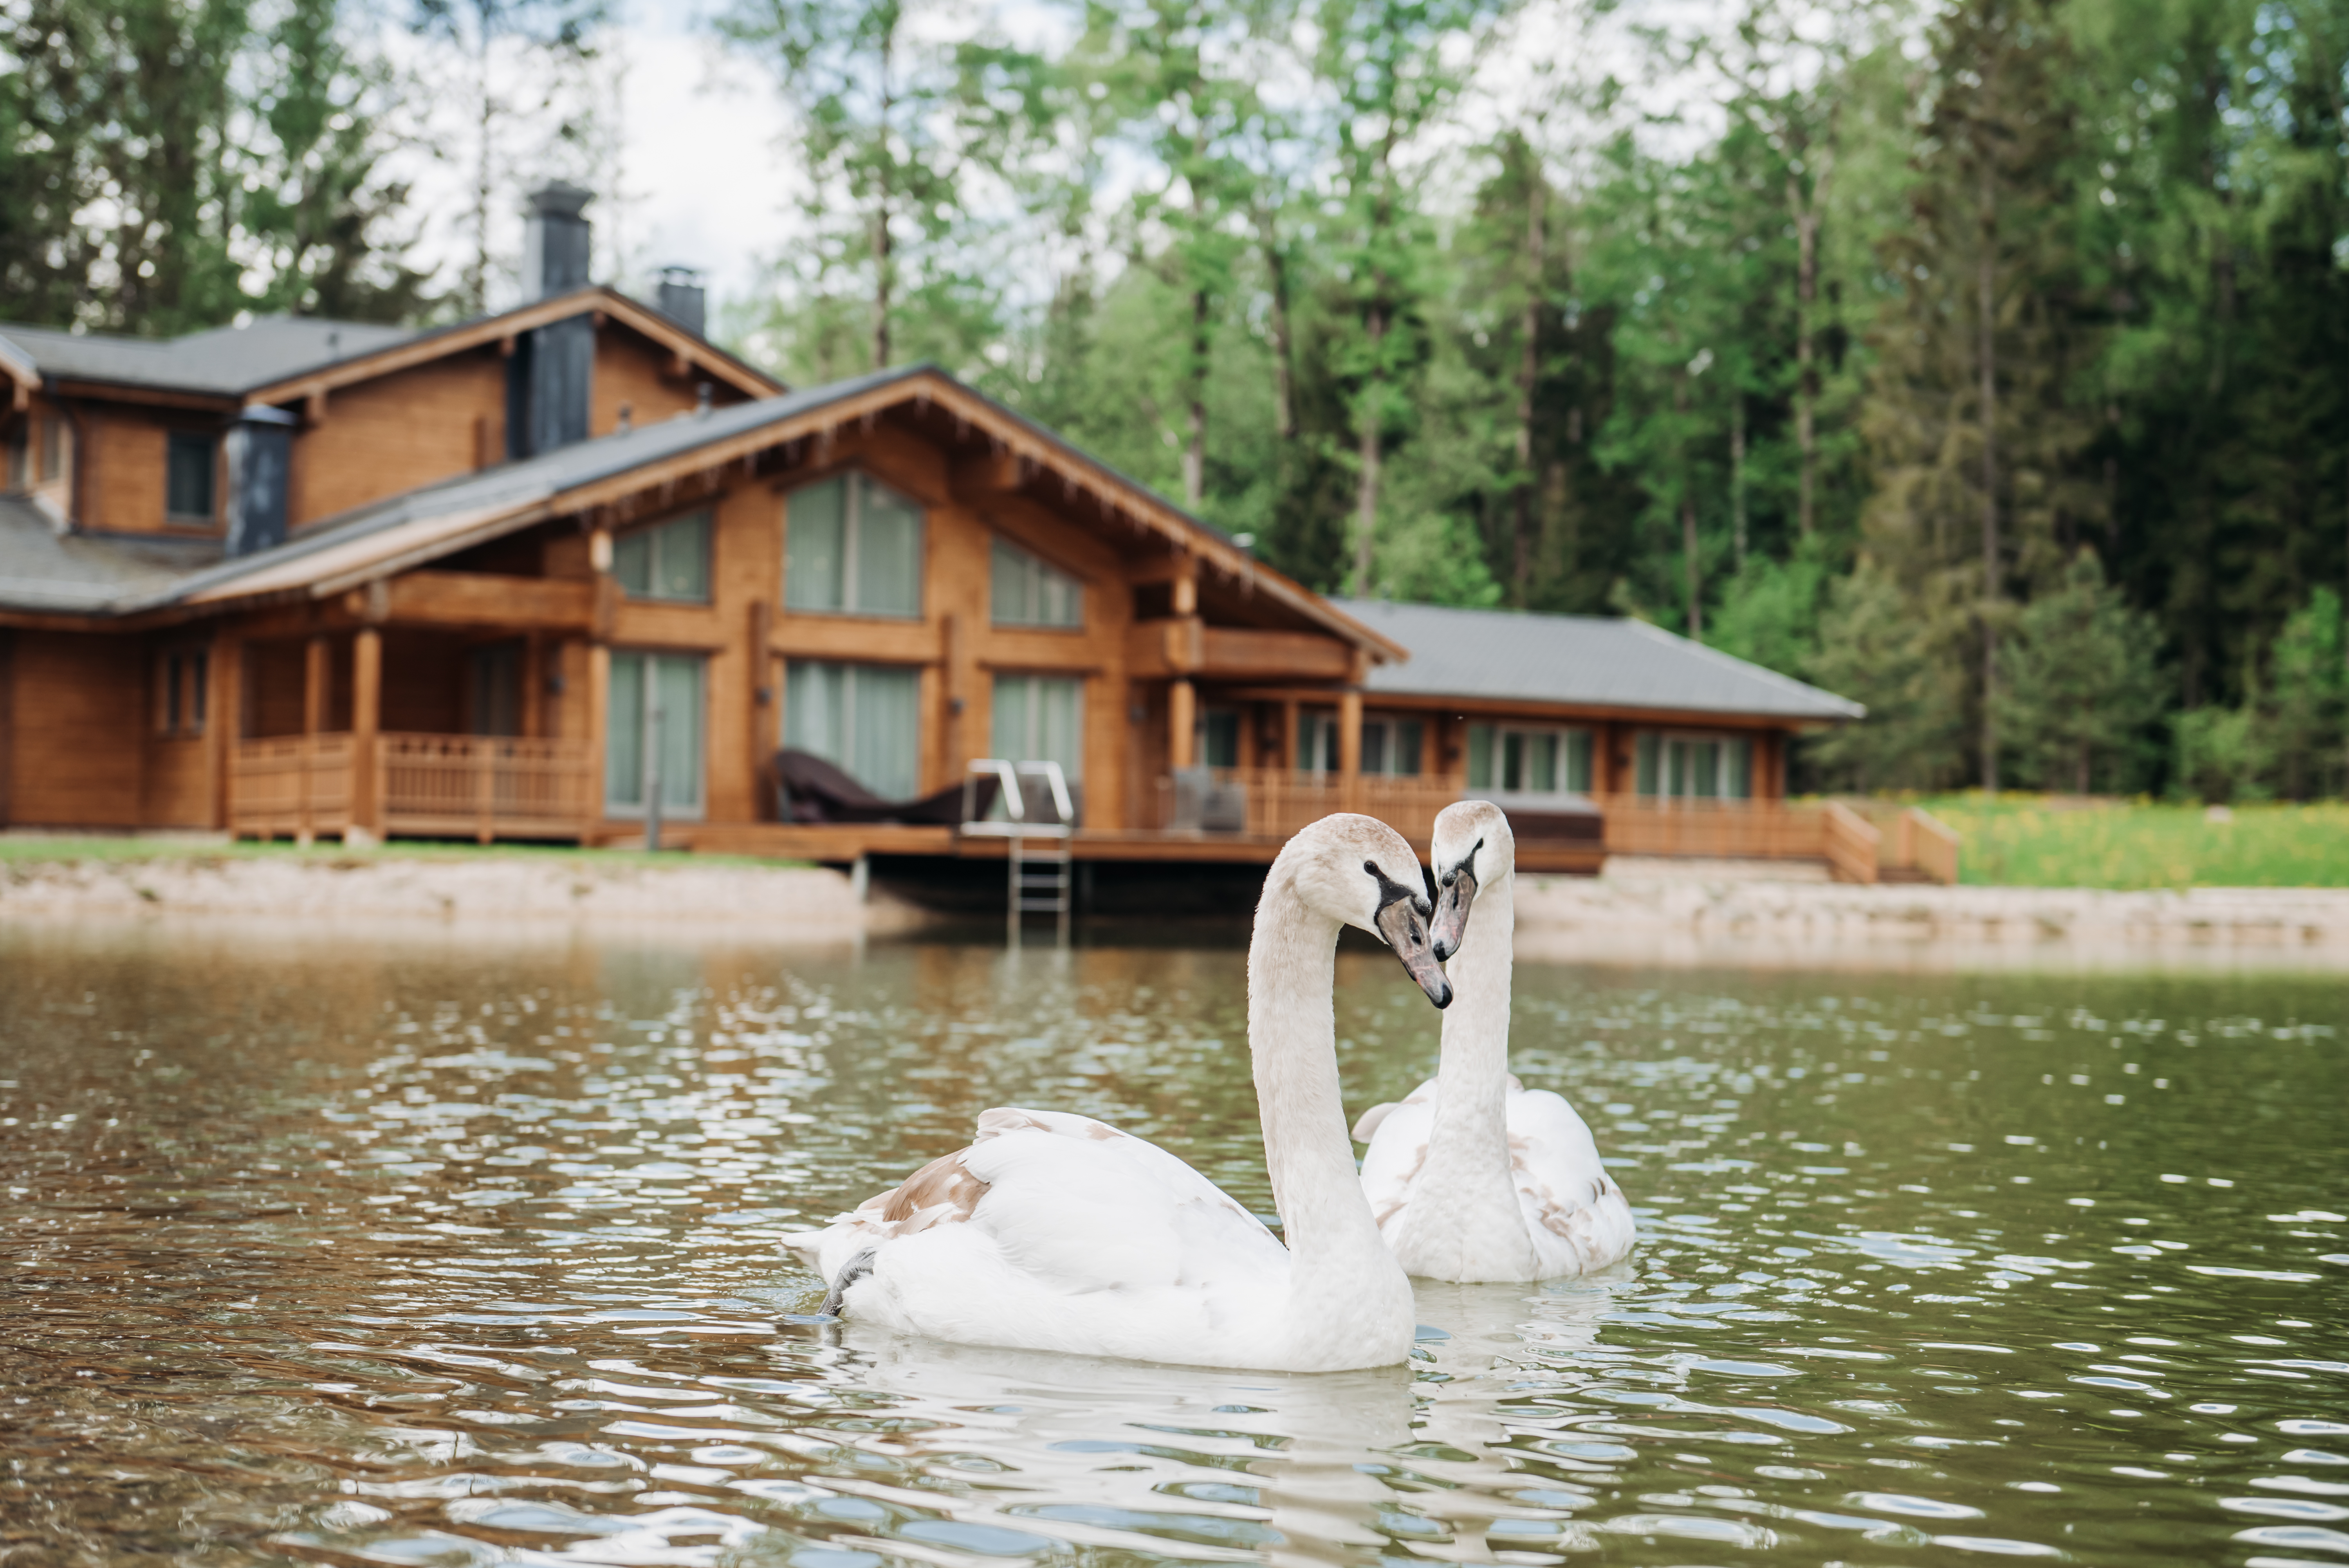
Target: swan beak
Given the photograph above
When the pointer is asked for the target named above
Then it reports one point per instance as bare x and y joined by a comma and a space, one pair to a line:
1452, 902
1404, 924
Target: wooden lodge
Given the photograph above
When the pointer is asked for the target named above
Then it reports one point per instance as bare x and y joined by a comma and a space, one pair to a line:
570, 572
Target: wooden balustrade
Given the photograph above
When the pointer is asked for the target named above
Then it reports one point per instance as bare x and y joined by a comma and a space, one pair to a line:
477, 787
1725, 829
290, 786
1279, 801
1922, 840
490, 786
1850, 841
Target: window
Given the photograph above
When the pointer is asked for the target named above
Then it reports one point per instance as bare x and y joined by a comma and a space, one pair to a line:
1317, 742
853, 547
1039, 719
183, 682
654, 734
862, 718
1218, 737
670, 561
188, 477
495, 674
1027, 592
1390, 746
1694, 767
1517, 759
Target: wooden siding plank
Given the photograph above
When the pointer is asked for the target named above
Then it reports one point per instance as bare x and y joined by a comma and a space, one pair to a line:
490, 600
80, 729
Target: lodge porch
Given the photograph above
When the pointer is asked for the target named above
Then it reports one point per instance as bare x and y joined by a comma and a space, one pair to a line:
491, 787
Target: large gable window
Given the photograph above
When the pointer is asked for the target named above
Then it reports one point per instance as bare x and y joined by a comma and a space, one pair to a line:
865, 718
1027, 592
670, 561
188, 477
853, 546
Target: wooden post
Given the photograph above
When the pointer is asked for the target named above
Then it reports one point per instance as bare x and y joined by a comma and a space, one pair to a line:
1350, 751
314, 716
1187, 585
224, 727
367, 804
599, 703
1289, 761
1182, 714
764, 707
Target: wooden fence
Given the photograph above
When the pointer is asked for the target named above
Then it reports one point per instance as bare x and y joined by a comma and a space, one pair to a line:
489, 786
477, 786
291, 786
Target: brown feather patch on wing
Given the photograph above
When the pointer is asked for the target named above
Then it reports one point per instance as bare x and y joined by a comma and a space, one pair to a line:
942, 1192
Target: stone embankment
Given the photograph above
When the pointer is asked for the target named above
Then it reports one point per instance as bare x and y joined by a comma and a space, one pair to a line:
489, 895
1641, 912
1630, 917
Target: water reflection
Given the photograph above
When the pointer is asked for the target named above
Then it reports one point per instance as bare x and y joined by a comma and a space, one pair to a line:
405, 1254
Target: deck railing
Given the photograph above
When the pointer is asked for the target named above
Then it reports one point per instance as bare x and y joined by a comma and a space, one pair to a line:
1723, 829
479, 786
290, 786
1274, 803
491, 787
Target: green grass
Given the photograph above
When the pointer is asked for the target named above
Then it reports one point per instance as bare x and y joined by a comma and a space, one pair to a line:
2037, 841
40, 849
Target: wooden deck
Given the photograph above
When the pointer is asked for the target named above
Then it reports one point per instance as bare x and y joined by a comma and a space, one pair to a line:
487, 788
840, 844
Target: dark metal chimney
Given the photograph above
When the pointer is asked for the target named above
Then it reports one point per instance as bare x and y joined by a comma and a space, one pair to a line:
260, 460
555, 239
551, 378
684, 300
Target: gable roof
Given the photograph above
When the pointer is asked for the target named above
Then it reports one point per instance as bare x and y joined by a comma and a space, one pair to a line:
280, 358
421, 525
1596, 661
45, 570
222, 361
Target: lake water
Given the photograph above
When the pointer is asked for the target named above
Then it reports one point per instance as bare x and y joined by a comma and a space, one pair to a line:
365, 1253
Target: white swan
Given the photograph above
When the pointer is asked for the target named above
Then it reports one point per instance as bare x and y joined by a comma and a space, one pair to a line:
1471, 1175
1054, 1231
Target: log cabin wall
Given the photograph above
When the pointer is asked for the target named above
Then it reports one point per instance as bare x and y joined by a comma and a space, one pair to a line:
123, 465
392, 433
76, 750
634, 372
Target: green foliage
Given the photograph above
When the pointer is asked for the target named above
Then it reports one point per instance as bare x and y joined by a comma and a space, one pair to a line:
168, 164
1874, 649
2077, 689
2020, 840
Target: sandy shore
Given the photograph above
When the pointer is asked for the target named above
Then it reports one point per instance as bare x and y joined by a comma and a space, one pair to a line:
1679, 919
785, 903
1640, 913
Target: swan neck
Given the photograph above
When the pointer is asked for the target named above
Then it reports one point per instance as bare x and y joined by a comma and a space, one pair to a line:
1293, 1040
1470, 1139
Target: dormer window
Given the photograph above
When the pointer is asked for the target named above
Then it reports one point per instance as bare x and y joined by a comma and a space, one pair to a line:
669, 562
853, 546
1027, 592
188, 484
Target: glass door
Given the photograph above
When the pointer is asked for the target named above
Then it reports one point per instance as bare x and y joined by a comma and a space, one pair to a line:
653, 735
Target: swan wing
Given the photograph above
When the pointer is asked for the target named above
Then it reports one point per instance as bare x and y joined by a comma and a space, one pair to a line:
1579, 1219
1064, 1204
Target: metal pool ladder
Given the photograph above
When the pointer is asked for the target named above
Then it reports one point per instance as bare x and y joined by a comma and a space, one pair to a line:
1039, 817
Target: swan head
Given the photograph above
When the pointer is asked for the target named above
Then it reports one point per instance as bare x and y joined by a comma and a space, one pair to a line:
1359, 872
1472, 847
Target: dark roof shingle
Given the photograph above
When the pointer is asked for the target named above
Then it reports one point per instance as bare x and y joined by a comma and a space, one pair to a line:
1586, 661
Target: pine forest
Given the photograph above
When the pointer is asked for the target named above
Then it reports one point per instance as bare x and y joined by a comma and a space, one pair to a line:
1988, 364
